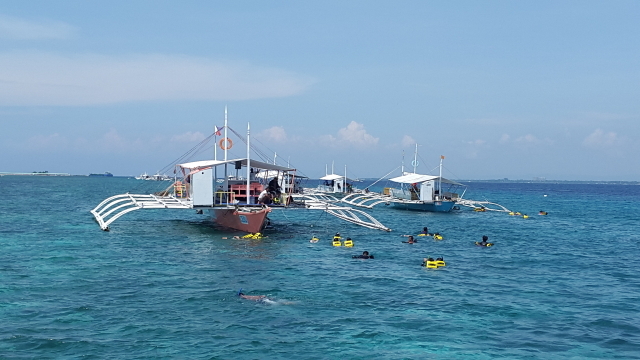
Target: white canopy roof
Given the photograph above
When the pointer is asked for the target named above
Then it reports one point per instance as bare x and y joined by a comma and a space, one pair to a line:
410, 178
332, 177
254, 163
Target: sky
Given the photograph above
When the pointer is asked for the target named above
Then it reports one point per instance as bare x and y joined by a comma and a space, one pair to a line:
502, 89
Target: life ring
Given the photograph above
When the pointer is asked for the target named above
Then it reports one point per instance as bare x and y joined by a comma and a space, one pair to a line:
227, 142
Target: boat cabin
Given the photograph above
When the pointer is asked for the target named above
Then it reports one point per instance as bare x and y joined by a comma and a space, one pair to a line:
425, 188
211, 183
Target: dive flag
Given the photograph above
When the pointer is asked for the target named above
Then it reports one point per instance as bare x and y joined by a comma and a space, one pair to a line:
216, 130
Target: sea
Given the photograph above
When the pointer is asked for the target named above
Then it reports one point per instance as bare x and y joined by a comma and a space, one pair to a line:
163, 284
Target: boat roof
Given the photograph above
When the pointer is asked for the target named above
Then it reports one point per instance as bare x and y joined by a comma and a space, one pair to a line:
411, 178
273, 173
254, 163
334, 177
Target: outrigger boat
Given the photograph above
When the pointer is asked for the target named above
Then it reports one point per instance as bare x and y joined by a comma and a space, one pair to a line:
422, 193
334, 183
231, 200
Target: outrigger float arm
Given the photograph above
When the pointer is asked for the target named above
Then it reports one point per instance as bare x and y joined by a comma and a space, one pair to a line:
112, 208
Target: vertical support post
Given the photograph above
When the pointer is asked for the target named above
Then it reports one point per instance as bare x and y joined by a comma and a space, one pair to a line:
248, 165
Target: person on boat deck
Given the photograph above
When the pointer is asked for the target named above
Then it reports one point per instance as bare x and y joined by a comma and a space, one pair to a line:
485, 240
265, 197
365, 255
273, 184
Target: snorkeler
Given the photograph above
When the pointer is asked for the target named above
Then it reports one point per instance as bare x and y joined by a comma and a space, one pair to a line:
410, 240
484, 241
365, 255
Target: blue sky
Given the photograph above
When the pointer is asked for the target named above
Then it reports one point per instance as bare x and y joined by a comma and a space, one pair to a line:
501, 88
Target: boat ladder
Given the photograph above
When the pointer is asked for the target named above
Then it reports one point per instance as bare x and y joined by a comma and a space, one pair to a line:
112, 208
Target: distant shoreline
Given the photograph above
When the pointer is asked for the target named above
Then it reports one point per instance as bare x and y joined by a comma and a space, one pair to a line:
497, 181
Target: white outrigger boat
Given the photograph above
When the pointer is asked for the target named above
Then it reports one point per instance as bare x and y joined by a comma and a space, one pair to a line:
232, 201
334, 183
422, 193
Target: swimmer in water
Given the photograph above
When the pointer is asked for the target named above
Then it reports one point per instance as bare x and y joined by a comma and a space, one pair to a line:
484, 241
410, 240
425, 260
365, 255
263, 299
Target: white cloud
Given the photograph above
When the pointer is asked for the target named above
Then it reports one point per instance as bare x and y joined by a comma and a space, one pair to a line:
19, 29
353, 134
188, 137
50, 142
275, 133
505, 138
599, 138
527, 139
35, 78
408, 141
477, 142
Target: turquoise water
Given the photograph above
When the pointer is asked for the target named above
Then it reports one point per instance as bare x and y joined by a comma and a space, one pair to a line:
162, 283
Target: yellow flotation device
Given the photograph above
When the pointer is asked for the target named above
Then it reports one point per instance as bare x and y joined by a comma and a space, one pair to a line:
440, 263
511, 213
438, 237
432, 265
253, 236
487, 245
423, 234
348, 243
518, 213
525, 216
314, 239
480, 209
337, 242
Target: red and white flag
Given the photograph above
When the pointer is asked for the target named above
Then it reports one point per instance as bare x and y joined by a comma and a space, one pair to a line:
216, 130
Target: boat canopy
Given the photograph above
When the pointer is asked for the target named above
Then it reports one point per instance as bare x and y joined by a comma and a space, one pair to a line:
333, 177
411, 178
254, 163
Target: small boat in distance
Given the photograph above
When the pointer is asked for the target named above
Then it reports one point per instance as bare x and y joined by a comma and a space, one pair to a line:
106, 174
156, 177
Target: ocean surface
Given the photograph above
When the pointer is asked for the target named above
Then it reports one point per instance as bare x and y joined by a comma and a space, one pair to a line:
162, 284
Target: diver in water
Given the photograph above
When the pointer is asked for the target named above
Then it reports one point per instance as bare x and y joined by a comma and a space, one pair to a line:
365, 255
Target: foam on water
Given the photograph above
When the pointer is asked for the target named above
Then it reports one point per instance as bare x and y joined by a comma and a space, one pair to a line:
163, 284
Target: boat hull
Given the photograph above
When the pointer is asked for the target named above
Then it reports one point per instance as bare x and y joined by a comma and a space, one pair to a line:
247, 220
431, 206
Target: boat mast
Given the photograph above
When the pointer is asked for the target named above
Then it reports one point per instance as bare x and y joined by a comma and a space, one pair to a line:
402, 170
226, 140
275, 156
344, 184
415, 159
248, 165
440, 178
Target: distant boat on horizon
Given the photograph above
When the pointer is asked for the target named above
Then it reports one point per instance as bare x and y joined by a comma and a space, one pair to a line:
106, 174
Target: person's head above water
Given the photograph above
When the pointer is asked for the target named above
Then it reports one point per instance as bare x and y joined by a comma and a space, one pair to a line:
425, 229
410, 237
365, 253
485, 238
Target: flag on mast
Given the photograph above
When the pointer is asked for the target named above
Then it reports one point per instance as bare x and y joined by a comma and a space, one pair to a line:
216, 130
